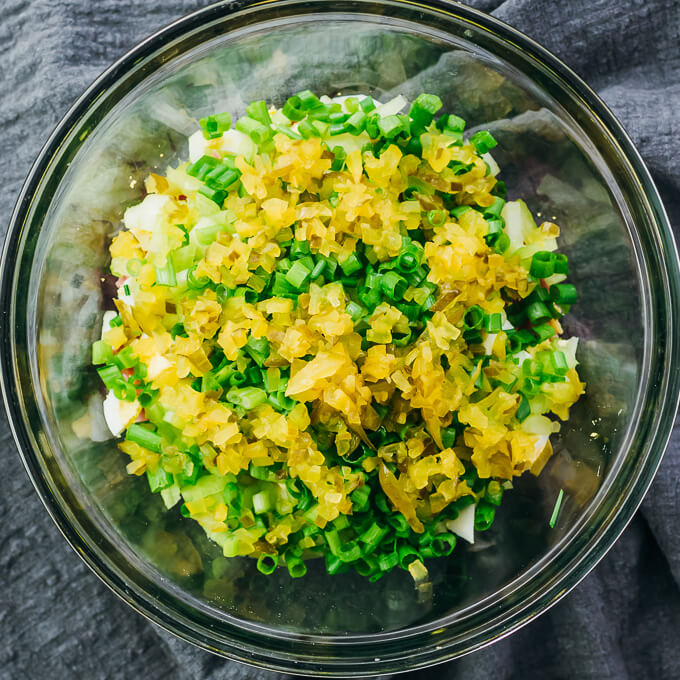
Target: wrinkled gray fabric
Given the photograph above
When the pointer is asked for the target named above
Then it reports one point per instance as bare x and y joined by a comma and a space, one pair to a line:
56, 618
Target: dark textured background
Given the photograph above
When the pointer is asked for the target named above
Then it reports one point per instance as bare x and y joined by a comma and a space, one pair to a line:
58, 621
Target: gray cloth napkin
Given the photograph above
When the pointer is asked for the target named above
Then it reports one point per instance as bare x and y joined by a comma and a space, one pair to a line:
56, 618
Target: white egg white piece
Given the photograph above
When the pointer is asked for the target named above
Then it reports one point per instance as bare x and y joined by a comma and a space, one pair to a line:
119, 414
106, 322
464, 524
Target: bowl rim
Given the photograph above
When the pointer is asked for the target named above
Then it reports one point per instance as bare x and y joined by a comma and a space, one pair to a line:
145, 604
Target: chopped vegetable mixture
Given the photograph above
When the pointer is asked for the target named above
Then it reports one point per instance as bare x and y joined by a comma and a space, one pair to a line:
334, 337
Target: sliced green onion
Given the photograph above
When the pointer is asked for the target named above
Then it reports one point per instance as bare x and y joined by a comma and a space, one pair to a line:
144, 437
267, 563
556, 509
443, 544
258, 132
308, 100
165, 276
247, 397
387, 562
262, 502
339, 157
561, 263
110, 375
493, 322
356, 123
436, 218
474, 317
351, 264
524, 408
300, 272
359, 497
459, 210
542, 264
393, 285
296, 567
102, 352
564, 293
424, 107
537, 312
159, 479
193, 282
484, 516
367, 104
214, 126
494, 493
390, 126
559, 362
407, 554
258, 111
544, 331
483, 141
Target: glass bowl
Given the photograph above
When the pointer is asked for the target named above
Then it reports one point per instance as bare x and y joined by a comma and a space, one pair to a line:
559, 147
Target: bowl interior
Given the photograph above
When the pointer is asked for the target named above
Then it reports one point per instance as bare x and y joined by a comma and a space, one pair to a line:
548, 156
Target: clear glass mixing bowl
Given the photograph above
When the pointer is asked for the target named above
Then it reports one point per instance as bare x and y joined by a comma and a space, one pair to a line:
559, 147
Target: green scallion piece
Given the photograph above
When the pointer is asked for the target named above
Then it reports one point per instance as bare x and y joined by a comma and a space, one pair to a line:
387, 562
308, 100
493, 493
292, 109
110, 375
390, 126
300, 272
393, 285
356, 123
559, 363
436, 218
493, 322
193, 282
102, 353
296, 567
484, 516
474, 317
561, 263
537, 312
367, 104
307, 129
564, 293
524, 408
267, 563
318, 270
556, 509
483, 141
406, 554
339, 157
542, 264
544, 331
258, 349
258, 132
144, 437
262, 502
165, 276
351, 264
247, 397
459, 210
258, 111
424, 108
359, 497
443, 544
